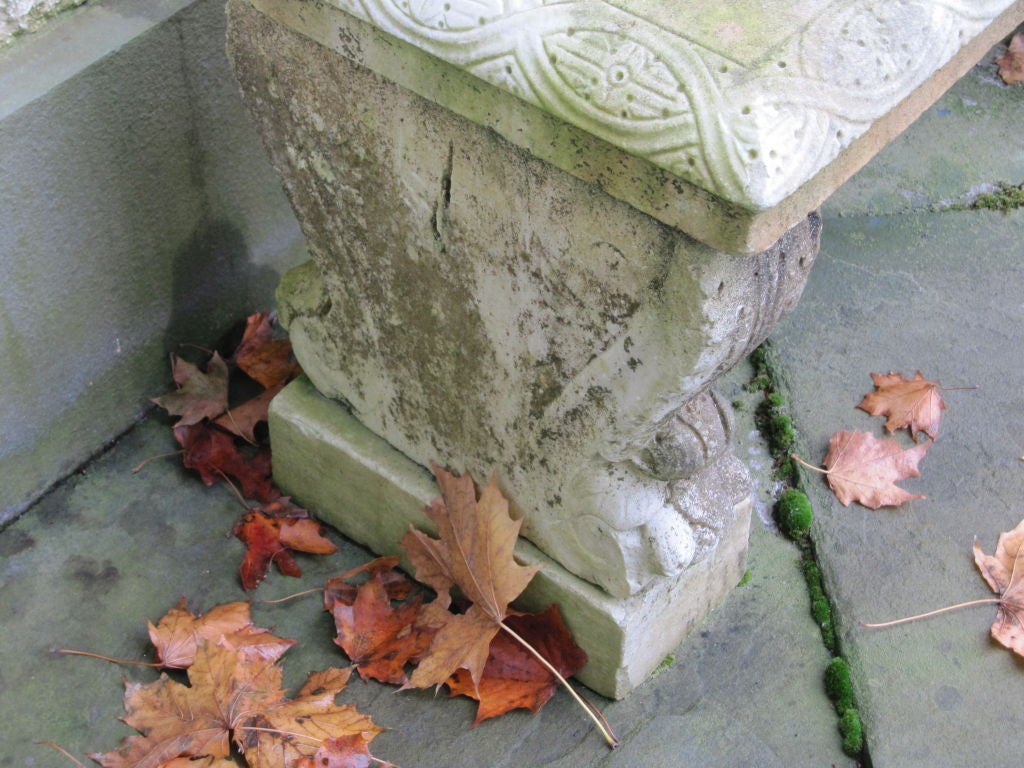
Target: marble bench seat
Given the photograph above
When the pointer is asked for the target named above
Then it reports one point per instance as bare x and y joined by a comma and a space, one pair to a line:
539, 232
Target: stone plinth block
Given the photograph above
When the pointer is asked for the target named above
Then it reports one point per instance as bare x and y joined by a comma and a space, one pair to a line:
473, 305
370, 491
727, 120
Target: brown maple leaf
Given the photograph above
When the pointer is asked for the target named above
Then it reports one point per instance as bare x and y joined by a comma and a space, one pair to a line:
380, 639
242, 419
513, 677
343, 752
214, 454
338, 589
1004, 573
193, 720
265, 359
862, 468
913, 403
270, 533
1011, 63
235, 696
199, 395
289, 731
178, 633
476, 554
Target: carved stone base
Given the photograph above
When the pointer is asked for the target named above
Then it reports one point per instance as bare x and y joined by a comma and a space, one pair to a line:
372, 493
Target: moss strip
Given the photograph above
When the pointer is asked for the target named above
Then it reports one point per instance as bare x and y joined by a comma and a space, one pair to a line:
794, 515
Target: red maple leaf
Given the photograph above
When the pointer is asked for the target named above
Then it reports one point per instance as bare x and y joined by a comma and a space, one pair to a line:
271, 533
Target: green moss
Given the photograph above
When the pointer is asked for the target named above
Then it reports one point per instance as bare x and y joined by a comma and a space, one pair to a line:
667, 662
852, 731
793, 513
838, 685
1007, 198
738, 404
821, 609
775, 400
746, 578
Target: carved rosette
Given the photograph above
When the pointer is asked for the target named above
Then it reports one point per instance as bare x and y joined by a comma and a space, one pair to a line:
751, 134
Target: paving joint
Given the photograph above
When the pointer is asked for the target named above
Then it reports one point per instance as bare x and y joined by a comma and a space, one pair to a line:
793, 513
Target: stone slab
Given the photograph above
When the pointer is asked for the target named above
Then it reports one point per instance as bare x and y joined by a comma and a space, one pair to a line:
939, 292
747, 683
730, 124
366, 489
962, 146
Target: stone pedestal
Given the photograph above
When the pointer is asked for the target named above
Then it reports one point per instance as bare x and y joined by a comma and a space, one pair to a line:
503, 279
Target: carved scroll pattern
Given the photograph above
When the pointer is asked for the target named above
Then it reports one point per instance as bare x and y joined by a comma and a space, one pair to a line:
750, 135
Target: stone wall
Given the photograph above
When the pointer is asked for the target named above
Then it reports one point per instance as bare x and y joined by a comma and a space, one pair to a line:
19, 16
137, 211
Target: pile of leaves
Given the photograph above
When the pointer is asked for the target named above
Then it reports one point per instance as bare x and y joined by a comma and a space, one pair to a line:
235, 697
466, 638
476, 646
220, 442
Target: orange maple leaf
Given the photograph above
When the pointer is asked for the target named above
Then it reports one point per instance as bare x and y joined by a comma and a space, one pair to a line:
235, 696
476, 554
913, 403
862, 468
1004, 573
179, 632
265, 359
270, 533
513, 677
199, 395
378, 638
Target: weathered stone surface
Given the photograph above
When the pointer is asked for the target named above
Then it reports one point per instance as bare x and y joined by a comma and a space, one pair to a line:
18, 16
478, 307
370, 492
729, 121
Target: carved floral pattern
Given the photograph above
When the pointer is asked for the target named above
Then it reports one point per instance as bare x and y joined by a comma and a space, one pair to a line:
752, 135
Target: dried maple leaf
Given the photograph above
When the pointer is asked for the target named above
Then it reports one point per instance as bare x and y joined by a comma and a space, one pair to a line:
290, 731
199, 395
242, 419
178, 720
342, 752
476, 554
179, 632
913, 403
1011, 63
214, 454
265, 359
380, 639
338, 589
862, 468
235, 696
270, 534
1004, 573
513, 677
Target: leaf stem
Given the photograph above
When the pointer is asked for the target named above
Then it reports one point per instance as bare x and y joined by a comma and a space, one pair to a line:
286, 598
593, 712
63, 751
983, 601
138, 467
101, 657
809, 466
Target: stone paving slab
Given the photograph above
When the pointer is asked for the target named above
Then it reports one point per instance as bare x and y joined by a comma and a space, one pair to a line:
939, 292
89, 563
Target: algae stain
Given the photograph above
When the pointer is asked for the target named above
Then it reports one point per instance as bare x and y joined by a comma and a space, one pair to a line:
94, 576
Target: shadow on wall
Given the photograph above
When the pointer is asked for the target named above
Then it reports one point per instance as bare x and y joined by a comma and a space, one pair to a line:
215, 286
